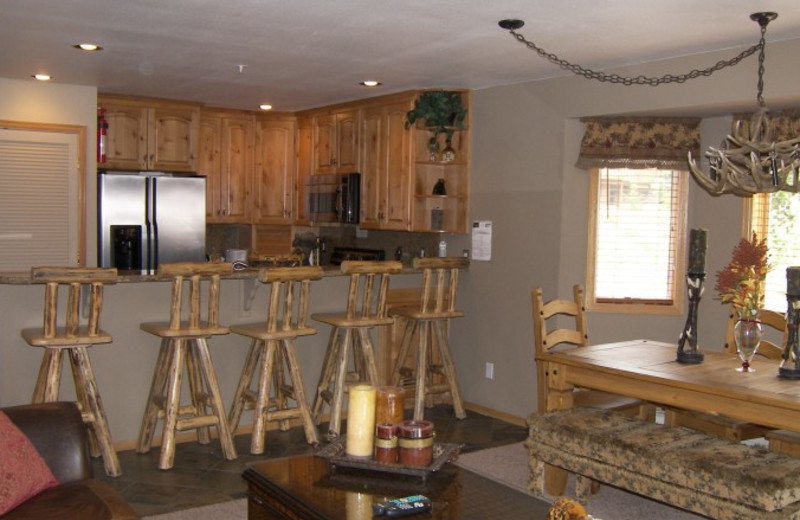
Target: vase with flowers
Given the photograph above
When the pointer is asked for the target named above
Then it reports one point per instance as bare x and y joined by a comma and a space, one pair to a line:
741, 285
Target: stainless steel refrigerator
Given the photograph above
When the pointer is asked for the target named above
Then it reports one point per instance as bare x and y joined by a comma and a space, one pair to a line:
149, 218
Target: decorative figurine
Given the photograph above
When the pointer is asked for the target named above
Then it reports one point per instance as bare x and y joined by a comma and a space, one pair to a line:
790, 364
694, 283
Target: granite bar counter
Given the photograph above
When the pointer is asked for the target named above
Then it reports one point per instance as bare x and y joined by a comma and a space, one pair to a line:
124, 368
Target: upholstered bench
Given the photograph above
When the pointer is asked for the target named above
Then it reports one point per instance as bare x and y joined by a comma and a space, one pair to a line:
678, 466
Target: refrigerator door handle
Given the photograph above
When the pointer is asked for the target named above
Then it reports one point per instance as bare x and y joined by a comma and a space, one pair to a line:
151, 229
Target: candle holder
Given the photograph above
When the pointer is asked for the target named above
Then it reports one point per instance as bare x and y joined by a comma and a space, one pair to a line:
690, 355
790, 364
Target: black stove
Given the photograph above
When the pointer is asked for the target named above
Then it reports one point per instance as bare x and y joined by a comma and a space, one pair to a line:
340, 254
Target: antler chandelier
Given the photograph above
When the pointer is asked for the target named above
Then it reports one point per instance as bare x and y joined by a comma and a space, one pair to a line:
748, 161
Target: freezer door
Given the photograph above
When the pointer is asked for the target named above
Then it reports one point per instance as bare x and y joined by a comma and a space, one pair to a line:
121, 202
179, 219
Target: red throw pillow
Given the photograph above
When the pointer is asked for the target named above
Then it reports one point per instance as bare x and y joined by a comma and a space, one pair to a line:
23, 472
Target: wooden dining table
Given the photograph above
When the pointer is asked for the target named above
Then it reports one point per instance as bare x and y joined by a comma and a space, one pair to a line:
648, 370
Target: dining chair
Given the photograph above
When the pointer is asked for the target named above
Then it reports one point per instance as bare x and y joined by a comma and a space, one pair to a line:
725, 427
559, 338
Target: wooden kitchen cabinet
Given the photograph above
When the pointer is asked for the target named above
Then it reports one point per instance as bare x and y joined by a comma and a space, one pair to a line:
386, 167
226, 159
275, 169
335, 142
146, 134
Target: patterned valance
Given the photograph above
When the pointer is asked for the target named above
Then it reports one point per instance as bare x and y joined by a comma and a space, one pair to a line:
785, 123
639, 142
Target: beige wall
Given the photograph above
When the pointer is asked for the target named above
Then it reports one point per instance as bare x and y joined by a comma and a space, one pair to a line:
54, 103
526, 141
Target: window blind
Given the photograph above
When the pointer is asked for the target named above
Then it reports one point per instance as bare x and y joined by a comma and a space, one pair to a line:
636, 236
38, 199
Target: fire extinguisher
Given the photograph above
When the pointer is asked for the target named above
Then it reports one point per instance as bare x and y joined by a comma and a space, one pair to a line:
102, 135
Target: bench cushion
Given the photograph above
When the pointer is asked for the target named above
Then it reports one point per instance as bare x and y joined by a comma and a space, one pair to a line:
750, 476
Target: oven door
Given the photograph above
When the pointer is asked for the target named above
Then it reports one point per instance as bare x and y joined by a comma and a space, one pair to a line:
323, 198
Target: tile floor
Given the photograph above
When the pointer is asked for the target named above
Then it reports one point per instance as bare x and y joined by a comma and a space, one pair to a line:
201, 476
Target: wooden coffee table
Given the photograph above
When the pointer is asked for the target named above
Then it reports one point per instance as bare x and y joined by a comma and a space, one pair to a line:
306, 488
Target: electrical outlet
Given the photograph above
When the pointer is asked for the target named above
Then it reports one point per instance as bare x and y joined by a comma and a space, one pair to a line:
489, 370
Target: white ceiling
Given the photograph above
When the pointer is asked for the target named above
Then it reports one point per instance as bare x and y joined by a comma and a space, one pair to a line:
306, 53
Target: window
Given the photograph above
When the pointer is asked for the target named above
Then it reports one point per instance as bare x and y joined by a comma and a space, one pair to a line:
775, 216
41, 195
636, 236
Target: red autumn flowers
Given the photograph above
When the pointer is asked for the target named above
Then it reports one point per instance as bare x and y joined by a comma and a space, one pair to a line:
741, 283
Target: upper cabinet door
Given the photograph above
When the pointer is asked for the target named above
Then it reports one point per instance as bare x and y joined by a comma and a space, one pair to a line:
126, 145
173, 138
237, 168
335, 142
209, 163
275, 170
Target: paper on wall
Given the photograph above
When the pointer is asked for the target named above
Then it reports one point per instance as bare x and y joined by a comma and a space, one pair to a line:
482, 240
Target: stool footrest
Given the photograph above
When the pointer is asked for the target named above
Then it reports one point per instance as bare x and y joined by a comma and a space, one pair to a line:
196, 422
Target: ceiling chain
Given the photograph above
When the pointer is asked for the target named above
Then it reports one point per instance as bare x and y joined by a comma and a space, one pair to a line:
647, 80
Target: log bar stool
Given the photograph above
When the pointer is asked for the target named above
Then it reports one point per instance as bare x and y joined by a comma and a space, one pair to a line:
366, 308
273, 345
185, 343
428, 322
74, 339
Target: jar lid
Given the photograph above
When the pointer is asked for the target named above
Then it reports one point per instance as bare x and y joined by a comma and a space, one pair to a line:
415, 429
385, 430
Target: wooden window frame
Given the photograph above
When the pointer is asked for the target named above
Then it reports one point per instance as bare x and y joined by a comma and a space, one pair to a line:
676, 305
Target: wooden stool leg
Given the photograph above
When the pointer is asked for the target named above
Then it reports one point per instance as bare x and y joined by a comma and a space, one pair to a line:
49, 379
326, 375
225, 438
85, 380
339, 384
279, 384
449, 370
157, 390
197, 389
240, 397
368, 356
262, 398
172, 405
84, 407
422, 371
290, 354
402, 355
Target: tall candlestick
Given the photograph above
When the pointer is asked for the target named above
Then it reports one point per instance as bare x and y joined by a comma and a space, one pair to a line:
360, 421
793, 281
697, 251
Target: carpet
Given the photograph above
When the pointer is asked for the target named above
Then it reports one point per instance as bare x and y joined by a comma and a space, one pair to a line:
234, 510
509, 465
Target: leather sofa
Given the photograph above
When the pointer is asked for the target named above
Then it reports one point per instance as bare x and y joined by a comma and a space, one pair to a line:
59, 435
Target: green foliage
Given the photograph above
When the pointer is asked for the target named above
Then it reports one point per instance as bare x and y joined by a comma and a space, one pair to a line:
442, 112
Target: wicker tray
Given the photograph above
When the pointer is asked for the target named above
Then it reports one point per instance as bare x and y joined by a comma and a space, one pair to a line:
336, 455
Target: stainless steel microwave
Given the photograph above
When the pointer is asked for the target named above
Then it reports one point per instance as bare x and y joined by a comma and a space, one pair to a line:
334, 198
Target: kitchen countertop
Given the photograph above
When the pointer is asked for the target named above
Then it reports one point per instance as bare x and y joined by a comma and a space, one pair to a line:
24, 277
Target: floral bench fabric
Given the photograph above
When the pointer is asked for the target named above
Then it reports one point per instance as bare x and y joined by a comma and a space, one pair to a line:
679, 466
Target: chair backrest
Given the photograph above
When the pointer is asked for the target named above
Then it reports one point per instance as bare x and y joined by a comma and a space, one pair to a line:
290, 289
572, 309
74, 278
194, 273
439, 284
365, 301
774, 324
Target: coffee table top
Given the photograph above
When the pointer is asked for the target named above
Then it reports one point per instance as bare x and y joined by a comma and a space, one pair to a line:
307, 484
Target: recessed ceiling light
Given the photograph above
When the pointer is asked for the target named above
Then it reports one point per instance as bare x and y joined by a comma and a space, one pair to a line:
265, 106
42, 77
88, 47
370, 83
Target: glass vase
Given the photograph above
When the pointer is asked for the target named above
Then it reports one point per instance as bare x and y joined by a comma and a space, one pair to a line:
747, 335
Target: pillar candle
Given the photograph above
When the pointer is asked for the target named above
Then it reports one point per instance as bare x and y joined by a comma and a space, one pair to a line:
358, 506
360, 421
697, 251
793, 281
